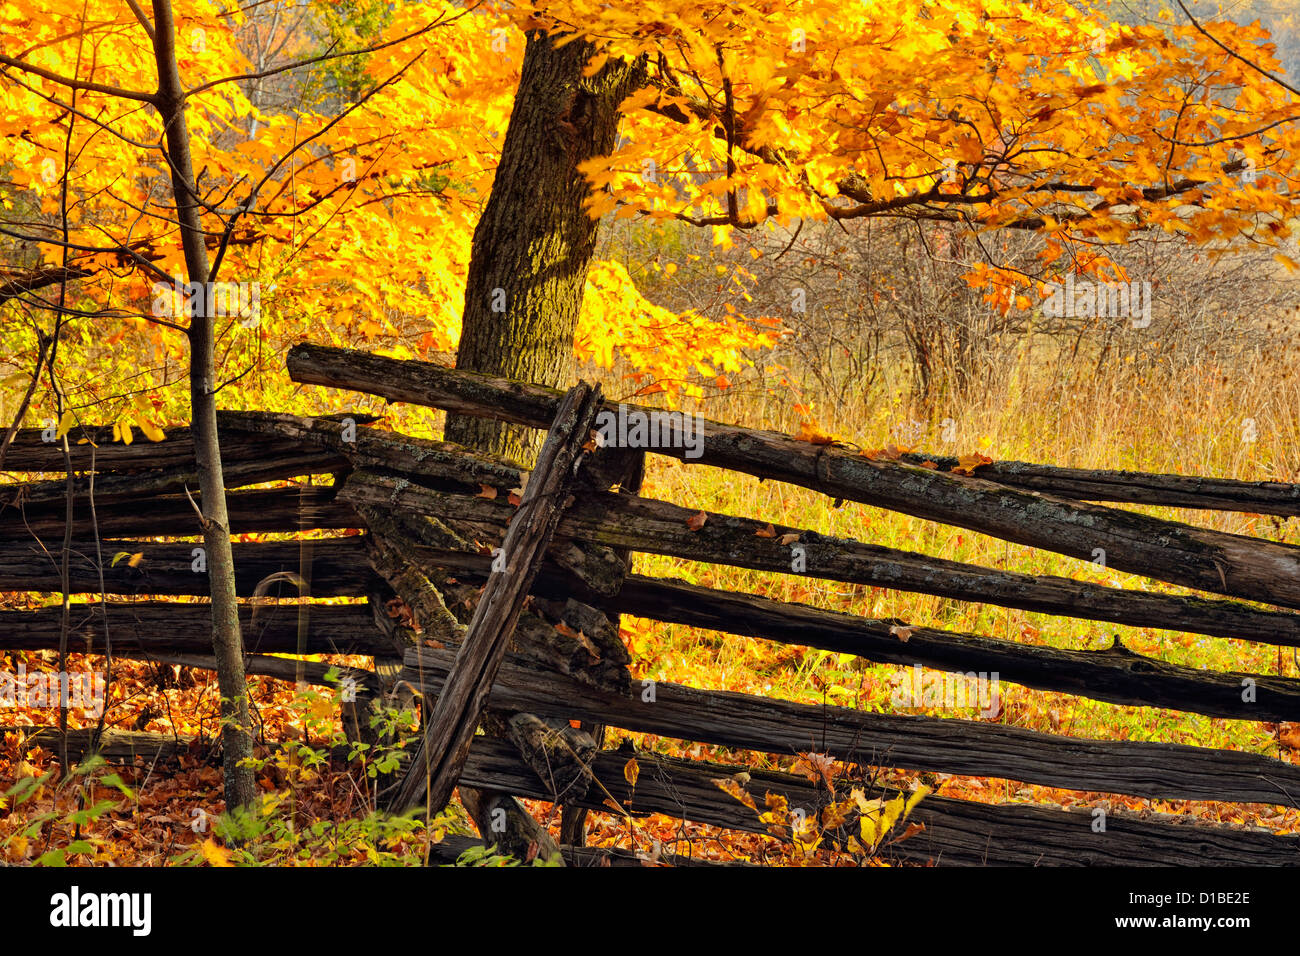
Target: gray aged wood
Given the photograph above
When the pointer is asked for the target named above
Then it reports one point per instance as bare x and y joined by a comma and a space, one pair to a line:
1135, 487
1170, 551
658, 527
957, 832
436, 764
964, 747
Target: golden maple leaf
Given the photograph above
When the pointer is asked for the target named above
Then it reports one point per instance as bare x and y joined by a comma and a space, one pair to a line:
967, 464
811, 432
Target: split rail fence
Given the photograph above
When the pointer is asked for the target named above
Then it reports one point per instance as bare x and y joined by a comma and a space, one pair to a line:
502, 611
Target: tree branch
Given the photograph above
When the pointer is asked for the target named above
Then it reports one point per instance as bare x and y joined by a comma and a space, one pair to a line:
74, 84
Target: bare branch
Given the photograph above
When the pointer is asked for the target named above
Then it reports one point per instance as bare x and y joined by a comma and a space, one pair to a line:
299, 64
252, 196
74, 84
140, 15
1233, 53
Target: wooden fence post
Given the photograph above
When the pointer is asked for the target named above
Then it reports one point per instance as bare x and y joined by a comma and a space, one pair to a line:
436, 765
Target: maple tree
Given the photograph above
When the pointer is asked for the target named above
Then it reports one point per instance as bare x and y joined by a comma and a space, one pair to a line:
1017, 115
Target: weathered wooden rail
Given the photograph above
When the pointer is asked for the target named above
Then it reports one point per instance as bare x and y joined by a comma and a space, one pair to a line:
428, 524
957, 832
1245, 567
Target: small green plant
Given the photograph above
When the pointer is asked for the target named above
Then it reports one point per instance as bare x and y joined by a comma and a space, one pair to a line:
488, 856
85, 777
268, 835
322, 817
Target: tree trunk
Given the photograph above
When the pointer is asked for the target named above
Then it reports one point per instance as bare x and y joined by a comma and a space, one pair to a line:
533, 246
534, 243
227, 643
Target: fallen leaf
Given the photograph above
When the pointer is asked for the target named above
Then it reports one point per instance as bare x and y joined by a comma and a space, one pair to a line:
589, 646
631, 770
811, 433
818, 765
789, 538
904, 634
215, 855
933, 466
888, 453
696, 521
768, 532
912, 830
967, 464
734, 789
488, 492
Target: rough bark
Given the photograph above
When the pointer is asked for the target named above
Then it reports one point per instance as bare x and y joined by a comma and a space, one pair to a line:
376, 448
624, 469
967, 748
534, 242
659, 527
957, 832
1238, 565
435, 766
273, 509
1115, 675
339, 568
505, 825
262, 461
310, 672
558, 753
146, 629
244, 437
1136, 487
533, 245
